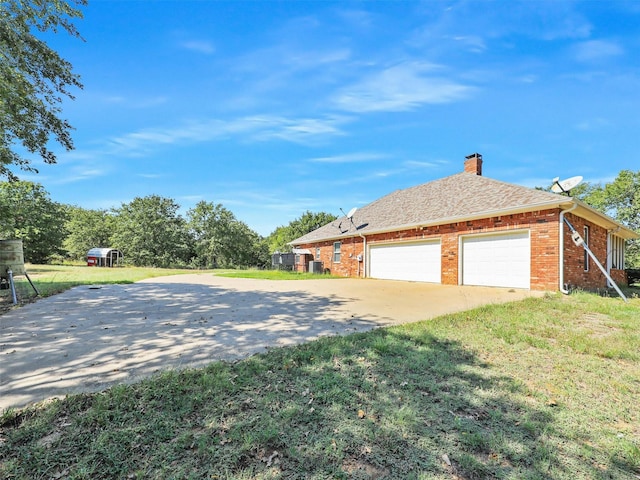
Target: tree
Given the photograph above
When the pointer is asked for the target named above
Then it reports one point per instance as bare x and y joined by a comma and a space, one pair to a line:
150, 233
221, 240
30, 215
87, 229
33, 80
278, 240
620, 199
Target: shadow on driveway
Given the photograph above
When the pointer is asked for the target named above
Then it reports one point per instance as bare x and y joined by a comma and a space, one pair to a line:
88, 338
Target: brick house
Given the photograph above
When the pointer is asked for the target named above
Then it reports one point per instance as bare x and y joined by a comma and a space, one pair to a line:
467, 229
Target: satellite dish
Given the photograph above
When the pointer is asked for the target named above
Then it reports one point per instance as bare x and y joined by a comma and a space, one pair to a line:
563, 186
351, 212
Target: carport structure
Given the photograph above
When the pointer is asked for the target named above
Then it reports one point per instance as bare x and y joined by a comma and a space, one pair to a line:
104, 257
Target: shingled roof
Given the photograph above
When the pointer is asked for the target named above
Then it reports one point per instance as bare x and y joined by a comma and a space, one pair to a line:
459, 197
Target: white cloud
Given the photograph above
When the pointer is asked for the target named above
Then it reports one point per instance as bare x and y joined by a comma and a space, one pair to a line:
190, 198
349, 158
151, 176
473, 43
199, 46
594, 50
593, 124
451, 27
419, 164
299, 130
530, 78
287, 68
400, 88
253, 128
116, 99
357, 18
286, 59
139, 102
316, 59
78, 174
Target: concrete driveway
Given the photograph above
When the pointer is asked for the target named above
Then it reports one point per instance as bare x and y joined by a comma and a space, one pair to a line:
89, 338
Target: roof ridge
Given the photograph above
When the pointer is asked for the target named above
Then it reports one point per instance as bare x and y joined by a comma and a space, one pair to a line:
460, 195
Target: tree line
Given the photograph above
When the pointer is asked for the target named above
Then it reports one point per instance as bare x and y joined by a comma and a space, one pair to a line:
148, 230
151, 232
619, 199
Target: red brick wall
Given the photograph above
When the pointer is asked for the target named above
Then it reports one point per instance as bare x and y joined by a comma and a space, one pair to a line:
348, 266
574, 273
302, 262
619, 276
543, 227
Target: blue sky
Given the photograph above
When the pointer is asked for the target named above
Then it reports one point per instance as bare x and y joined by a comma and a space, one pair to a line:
272, 108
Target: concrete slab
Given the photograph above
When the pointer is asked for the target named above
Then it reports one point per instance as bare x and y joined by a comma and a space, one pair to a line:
89, 338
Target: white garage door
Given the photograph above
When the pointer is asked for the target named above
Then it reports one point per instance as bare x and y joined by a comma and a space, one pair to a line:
418, 262
497, 260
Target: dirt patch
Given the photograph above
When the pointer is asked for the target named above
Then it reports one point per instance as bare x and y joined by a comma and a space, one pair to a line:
598, 325
359, 468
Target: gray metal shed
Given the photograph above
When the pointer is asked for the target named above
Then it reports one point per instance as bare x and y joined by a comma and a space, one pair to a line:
104, 257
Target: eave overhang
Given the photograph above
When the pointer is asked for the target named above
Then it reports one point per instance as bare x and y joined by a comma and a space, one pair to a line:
589, 213
582, 210
564, 203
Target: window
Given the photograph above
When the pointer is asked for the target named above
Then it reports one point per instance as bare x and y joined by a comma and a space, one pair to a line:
336, 252
585, 236
617, 252
317, 253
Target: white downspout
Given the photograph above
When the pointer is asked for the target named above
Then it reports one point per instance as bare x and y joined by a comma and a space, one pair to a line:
364, 255
609, 259
561, 229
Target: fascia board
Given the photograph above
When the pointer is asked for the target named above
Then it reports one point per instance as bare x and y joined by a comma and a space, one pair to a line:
589, 213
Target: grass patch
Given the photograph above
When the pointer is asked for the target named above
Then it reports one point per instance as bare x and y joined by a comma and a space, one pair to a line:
274, 275
543, 388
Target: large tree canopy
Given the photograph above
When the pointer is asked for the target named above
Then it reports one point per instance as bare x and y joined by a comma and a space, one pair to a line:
619, 199
33, 80
221, 240
27, 213
308, 222
87, 229
151, 233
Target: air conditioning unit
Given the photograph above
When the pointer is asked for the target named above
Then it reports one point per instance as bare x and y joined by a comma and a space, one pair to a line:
315, 267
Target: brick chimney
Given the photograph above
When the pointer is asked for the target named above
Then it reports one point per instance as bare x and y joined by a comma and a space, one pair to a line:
473, 164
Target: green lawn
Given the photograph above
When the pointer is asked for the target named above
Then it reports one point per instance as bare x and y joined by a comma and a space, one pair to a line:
542, 388
274, 275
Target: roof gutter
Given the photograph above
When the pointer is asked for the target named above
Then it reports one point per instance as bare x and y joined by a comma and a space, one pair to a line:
561, 246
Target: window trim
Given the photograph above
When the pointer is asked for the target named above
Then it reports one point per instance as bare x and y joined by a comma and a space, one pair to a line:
585, 237
337, 247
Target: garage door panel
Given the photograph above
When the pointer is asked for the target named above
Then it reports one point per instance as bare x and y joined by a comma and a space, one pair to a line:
497, 260
414, 262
